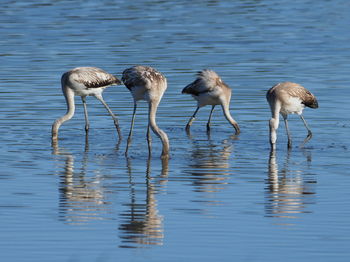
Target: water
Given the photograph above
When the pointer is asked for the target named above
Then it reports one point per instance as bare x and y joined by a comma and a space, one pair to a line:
219, 197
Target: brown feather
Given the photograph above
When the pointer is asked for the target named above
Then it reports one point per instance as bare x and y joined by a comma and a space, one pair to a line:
206, 81
93, 77
295, 90
141, 76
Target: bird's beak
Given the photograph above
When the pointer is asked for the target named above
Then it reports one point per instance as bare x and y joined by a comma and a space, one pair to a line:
238, 130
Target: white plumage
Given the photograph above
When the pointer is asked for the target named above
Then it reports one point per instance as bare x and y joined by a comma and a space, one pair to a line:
146, 83
84, 81
209, 89
288, 98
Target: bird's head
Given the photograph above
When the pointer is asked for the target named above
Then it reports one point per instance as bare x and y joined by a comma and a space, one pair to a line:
314, 104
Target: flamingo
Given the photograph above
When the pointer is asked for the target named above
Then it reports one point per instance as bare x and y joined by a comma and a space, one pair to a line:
146, 83
209, 89
288, 98
84, 81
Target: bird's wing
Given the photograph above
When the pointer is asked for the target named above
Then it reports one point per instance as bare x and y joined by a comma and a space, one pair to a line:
307, 98
132, 78
207, 81
141, 76
93, 77
198, 87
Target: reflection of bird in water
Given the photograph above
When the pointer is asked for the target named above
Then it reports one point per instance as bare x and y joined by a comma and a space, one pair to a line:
288, 189
146, 83
81, 199
288, 98
209, 89
209, 164
142, 224
84, 81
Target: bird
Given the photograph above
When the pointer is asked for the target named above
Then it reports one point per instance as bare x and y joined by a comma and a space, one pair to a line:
209, 89
146, 83
84, 81
288, 98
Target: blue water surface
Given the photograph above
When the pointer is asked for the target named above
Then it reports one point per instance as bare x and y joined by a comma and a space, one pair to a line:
220, 197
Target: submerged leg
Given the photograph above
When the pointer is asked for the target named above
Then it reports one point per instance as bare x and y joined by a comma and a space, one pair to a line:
87, 124
309, 133
209, 120
100, 98
287, 130
131, 129
191, 120
86, 149
149, 140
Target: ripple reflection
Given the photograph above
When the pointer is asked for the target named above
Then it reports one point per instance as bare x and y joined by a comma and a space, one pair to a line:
289, 189
209, 163
82, 198
142, 224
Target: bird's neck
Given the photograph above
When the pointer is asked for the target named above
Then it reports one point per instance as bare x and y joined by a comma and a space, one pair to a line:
160, 133
69, 96
225, 108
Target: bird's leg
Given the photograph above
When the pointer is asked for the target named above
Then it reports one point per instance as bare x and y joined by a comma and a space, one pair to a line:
87, 124
191, 120
86, 149
100, 98
309, 133
225, 109
209, 120
118, 145
148, 170
149, 140
131, 129
306, 125
287, 130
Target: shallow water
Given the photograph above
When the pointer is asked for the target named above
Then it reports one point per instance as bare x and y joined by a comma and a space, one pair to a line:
219, 196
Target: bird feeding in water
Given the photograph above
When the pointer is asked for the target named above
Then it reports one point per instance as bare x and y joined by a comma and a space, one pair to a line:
209, 89
84, 81
146, 83
288, 98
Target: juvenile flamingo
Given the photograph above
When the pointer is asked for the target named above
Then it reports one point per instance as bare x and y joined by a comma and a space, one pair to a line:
209, 89
288, 98
84, 81
146, 83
